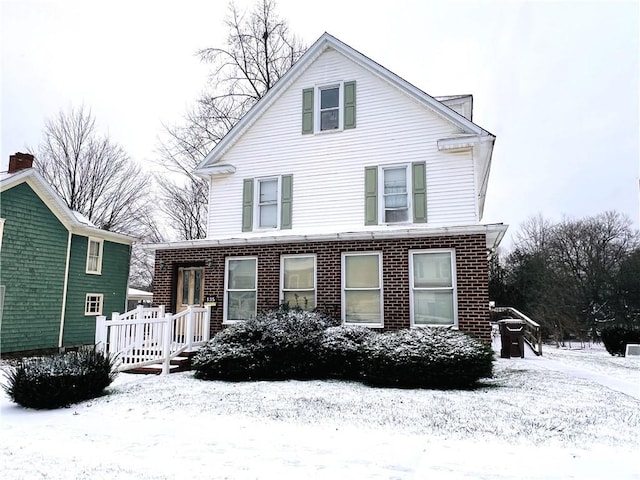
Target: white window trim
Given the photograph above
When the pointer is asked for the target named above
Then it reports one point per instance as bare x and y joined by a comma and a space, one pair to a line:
316, 107
453, 287
225, 304
256, 195
101, 250
381, 205
1, 231
315, 274
343, 289
100, 298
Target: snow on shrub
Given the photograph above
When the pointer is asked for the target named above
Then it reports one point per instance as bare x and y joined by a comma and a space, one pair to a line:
426, 358
616, 338
341, 351
59, 380
282, 343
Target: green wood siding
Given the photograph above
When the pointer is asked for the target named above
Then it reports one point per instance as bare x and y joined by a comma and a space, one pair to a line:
112, 283
32, 265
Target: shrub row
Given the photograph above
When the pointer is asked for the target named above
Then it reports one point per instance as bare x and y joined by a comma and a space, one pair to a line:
616, 338
59, 380
291, 343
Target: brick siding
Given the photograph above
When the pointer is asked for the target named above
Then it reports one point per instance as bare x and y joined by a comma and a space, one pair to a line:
471, 270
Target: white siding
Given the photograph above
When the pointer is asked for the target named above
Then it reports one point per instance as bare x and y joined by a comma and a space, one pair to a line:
328, 168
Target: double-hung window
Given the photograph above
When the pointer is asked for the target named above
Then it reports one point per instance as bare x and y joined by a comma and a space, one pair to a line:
93, 304
94, 256
241, 288
298, 281
433, 288
267, 194
330, 99
395, 199
362, 289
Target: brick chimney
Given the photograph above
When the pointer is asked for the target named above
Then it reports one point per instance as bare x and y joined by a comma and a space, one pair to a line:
20, 161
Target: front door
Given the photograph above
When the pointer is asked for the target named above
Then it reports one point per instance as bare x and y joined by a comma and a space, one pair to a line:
190, 287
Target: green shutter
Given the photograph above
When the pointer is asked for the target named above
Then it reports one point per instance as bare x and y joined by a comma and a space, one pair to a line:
419, 193
307, 110
285, 201
247, 205
349, 105
371, 195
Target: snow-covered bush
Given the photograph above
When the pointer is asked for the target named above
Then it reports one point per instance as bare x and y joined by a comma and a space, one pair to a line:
59, 380
341, 351
282, 343
426, 357
616, 338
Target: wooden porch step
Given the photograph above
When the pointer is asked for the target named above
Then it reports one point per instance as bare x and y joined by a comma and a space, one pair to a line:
177, 364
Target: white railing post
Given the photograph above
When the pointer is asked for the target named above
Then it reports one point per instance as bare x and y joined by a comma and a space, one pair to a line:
114, 346
101, 333
166, 343
161, 311
206, 324
189, 330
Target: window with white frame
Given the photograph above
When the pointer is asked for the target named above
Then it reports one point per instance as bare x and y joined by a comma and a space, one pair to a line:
1, 231
94, 256
93, 304
433, 288
395, 185
362, 288
267, 195
329, 107
298, 281
240, 288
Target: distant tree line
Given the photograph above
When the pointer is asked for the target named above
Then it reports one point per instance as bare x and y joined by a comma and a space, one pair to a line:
573, 277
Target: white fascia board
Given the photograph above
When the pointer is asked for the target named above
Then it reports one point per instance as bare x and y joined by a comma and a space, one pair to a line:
324, 42
216, 170
493, 232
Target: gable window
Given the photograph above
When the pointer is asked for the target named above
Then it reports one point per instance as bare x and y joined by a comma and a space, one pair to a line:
330, 107
93, 304
433, 288
395, 194
298, 281
94, 256
240, 289
266, 203
362, 289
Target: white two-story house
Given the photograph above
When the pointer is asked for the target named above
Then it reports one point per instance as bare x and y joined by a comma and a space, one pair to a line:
345, 189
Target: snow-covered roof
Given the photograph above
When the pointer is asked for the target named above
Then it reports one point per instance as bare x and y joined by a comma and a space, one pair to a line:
75, 222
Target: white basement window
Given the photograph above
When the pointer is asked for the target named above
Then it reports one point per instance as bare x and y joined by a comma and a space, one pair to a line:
93, 304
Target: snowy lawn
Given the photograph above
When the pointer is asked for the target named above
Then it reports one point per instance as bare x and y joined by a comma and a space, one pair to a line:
526, 422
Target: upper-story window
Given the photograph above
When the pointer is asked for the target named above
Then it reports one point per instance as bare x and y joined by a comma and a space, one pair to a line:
329, 107
266, 203
395, 200
395, 194
329, 111
267, 211
94, 256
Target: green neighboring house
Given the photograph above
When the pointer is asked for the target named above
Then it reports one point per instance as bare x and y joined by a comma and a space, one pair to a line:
57, 271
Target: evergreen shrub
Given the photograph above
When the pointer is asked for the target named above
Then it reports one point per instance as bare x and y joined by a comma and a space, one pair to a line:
616, 338
59, 380
426, 358
278, 344
341, 351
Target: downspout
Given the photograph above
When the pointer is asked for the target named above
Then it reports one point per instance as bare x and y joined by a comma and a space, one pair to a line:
64, 290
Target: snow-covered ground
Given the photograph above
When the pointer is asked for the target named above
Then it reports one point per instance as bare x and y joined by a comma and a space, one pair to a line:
534, 419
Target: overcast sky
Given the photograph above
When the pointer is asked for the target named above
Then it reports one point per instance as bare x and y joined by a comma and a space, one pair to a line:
557, 83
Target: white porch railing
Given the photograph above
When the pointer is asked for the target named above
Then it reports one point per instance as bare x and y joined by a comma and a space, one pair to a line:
147, 336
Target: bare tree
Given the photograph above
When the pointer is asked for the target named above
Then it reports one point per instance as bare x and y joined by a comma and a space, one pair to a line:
94, 175
259, 50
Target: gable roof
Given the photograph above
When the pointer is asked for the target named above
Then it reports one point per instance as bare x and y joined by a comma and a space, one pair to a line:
324, 42
74, 222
